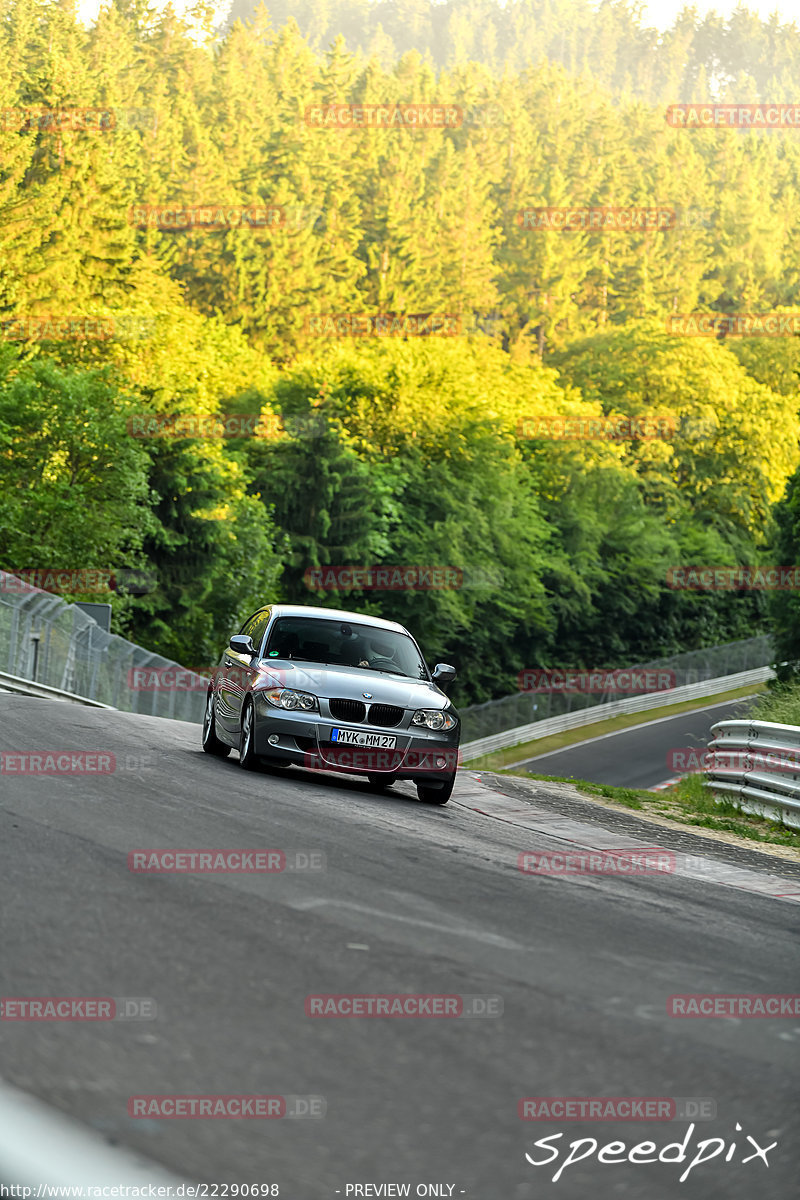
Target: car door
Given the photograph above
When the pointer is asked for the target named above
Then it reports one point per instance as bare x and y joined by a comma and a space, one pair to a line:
236, 675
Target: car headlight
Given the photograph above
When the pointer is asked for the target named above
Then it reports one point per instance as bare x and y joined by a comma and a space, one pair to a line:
434, 718
280, 697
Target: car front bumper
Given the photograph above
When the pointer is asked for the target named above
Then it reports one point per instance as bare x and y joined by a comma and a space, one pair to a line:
304, 739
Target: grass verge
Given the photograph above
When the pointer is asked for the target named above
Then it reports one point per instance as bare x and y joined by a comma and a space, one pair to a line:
780, 702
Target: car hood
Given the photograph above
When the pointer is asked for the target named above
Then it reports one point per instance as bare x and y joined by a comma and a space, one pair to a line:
351, 683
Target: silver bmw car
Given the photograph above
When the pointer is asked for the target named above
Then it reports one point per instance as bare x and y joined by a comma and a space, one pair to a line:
334, 691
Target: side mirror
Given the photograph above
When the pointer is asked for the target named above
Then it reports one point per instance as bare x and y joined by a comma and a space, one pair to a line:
443, 673
243, 644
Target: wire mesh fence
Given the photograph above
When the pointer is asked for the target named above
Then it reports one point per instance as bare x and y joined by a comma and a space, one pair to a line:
50, 642
692, 666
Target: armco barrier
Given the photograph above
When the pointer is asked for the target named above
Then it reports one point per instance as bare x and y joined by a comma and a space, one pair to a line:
26, 687
632, 704
770, 794
480, 721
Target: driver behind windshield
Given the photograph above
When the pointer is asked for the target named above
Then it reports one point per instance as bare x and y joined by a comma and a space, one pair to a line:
380, 655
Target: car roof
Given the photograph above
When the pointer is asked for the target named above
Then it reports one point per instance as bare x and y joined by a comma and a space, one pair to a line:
335, 614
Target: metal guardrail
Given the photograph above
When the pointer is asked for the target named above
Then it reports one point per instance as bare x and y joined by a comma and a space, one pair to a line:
523, 707
26, 687
756, 764
599, 712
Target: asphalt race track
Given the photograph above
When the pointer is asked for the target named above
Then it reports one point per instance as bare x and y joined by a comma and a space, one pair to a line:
412, 899
636, 757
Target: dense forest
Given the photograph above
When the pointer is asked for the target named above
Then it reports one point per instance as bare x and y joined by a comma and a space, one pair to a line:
742, 56
212, 237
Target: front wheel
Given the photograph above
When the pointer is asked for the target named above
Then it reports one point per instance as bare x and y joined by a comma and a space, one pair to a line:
429, 794
247, 741
211, 743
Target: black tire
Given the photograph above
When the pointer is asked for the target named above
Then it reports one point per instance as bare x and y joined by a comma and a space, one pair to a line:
379, 782
248, 760
211, 743
436, 795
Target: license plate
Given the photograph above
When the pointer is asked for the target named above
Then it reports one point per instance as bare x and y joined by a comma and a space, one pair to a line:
357, 737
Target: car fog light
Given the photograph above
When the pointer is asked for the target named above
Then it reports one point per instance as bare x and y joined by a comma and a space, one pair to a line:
441, 762
273, 739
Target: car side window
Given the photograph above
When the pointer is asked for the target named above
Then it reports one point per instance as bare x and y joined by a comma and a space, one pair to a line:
258, 630
254, 626
249, 625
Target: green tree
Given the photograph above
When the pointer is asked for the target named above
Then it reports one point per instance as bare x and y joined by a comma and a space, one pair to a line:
216, 551
73, 486
784, 607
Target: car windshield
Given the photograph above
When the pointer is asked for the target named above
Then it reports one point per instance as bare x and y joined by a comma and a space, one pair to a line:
345, 644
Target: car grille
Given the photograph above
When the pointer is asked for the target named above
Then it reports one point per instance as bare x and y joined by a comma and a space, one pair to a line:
347, 710
385, 714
